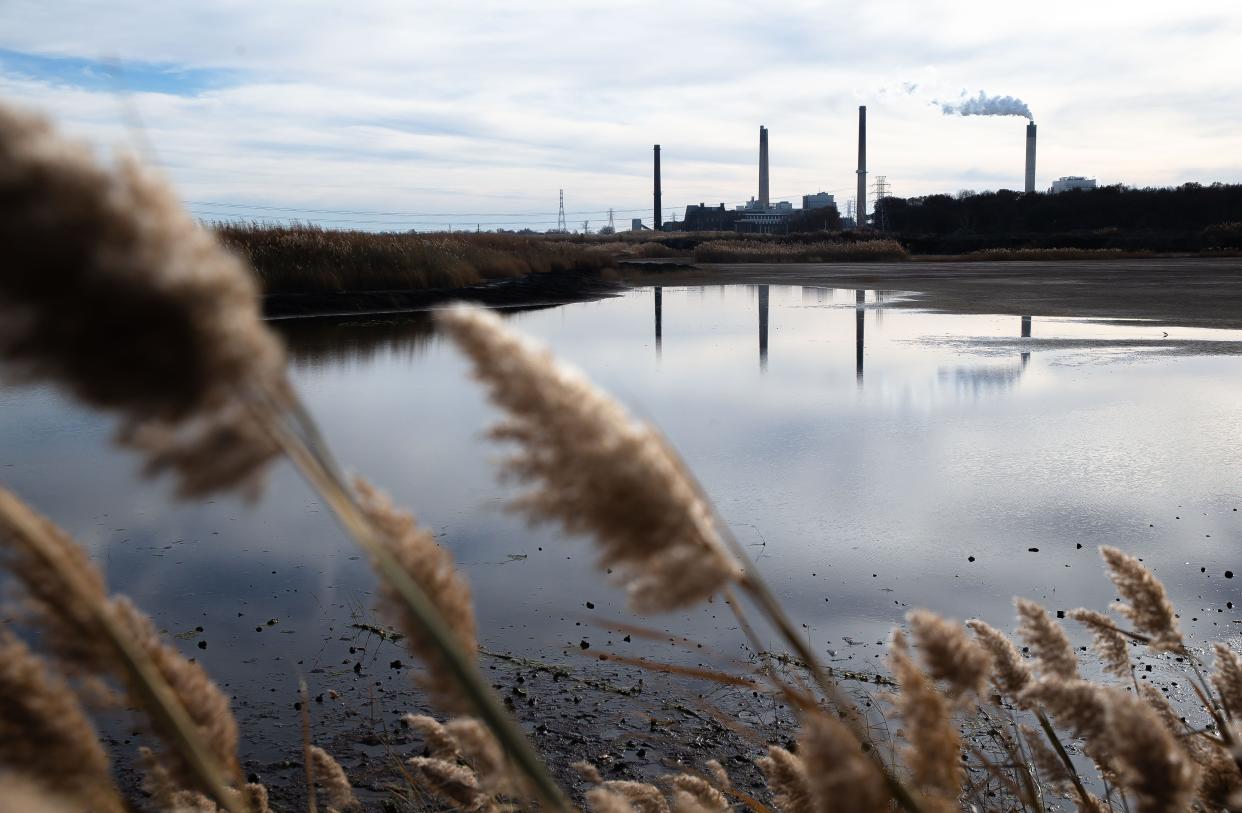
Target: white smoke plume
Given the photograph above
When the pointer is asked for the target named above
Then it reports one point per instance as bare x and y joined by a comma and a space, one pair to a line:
985, 105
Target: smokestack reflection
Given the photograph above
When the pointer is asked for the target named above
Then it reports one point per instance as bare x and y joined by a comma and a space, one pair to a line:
860, 299
1026, 334
763, 327
659, 319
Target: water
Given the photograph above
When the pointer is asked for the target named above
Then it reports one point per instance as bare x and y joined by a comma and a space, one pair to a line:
864, 453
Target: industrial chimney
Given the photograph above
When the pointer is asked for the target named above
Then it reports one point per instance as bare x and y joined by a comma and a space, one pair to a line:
657, 221
763, 168
1030, 157
860, 204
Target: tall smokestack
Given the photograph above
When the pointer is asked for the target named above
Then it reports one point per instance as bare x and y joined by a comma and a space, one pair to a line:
657, 221
763, 168
860, 205
1030, 157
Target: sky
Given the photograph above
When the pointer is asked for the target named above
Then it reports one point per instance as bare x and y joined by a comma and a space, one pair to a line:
424, 115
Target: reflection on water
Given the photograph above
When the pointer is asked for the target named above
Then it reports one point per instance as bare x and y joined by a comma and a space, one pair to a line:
763, 327
1026, 334
966, 447
659, 316
860, 328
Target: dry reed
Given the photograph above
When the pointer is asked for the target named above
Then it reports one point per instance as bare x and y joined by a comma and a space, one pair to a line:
933, 746
432, 569
596, 470
1149, 608
44, 730
18, 794
839, 776
331, 779
307, 259
1109, 644
113, 292
1048, 642
950, 655
1010, 673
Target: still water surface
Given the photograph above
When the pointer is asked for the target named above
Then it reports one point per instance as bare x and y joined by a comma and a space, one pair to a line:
872, 458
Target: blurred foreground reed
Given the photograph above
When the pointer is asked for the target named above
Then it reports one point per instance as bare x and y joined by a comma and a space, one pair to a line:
204, 396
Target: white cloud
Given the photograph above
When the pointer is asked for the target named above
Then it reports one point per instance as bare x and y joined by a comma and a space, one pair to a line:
440, 107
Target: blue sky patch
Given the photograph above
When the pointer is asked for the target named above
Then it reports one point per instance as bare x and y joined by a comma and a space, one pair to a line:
114, 75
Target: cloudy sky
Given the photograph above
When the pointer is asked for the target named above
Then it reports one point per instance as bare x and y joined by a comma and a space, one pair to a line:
416, 114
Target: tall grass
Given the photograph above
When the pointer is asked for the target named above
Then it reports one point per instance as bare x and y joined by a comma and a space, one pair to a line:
1058, 737
309, 259
753, 251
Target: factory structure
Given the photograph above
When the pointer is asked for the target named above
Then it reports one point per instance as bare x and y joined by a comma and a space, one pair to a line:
762, 215
759, 215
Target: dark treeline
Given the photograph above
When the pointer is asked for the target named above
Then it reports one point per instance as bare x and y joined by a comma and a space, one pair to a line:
1191, 217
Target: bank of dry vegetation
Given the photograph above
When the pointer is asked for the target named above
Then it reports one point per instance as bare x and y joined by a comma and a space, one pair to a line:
214, 408
309, 259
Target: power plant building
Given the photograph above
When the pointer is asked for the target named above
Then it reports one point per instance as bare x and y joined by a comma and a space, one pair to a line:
1071, 182
820, 200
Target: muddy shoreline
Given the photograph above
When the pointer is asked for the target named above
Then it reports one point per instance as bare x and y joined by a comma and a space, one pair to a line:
1180, 291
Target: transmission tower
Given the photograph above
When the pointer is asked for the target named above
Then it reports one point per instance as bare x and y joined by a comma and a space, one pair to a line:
560, 218
611, 226
850, 206
882, 190
586, 227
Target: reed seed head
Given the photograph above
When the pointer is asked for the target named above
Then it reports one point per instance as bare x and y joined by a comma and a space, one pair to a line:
431, 568
933, 746
19, 794
788, 780
643, 797
1109, 644
480, 749
1010, 673
112, 291
839, 775
950, 655
596, 470
440, 744
44, 733
607, 801
1052, 649
699, 793
1149, 609
331, 778
1151, 763
1227, 678
452, 783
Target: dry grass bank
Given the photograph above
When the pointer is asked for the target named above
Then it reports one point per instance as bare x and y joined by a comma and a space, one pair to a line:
755, 251
308, 259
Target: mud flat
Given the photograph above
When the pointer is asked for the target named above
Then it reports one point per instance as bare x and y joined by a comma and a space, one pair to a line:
1184, 291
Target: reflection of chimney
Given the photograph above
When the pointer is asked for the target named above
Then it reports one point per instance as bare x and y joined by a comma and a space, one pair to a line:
763, 168
763, 327
860, 298
657, 222
860, 203
659, 315
1030, 157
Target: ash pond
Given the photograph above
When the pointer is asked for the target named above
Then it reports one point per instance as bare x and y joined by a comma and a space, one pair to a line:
870, 458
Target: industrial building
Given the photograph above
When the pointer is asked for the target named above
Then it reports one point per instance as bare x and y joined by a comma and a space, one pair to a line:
820, 200
1071, 182
757, 216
